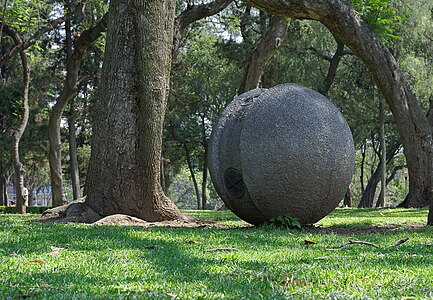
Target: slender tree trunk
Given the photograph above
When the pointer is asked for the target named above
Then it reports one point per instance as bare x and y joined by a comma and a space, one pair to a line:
381, 199
191, 172
2, 185
415, 132
271, 40
369, 193
348, 196
363, 154
124, 167
16, 138
334, 61
73, 66
75, 174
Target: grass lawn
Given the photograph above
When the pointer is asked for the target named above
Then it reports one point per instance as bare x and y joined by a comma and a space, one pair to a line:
112, 262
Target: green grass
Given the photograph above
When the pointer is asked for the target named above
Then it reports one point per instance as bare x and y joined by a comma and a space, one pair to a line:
112, 262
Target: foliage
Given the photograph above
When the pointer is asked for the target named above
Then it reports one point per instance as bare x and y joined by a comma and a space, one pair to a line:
76, 261
382, 17
30, 209
285, 222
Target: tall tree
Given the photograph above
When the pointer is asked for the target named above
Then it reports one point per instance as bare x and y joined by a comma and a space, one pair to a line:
415, 131
70, 86
19, 129
124, 167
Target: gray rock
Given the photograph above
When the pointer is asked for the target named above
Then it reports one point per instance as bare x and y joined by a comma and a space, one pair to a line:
283, 151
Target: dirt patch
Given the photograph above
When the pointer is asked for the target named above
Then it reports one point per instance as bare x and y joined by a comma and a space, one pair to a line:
361, 230
125, 220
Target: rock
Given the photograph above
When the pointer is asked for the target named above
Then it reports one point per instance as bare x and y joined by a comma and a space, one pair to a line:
283, 151
76, 211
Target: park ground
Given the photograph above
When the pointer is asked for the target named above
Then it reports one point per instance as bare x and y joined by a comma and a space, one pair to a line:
351, 254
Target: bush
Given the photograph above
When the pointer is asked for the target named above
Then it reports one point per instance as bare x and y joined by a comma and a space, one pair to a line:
30, 209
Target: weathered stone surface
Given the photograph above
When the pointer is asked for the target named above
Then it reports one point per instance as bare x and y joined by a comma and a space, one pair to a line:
283, 151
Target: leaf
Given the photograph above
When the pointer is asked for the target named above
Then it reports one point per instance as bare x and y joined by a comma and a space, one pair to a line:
13, 254
37, 261
56, 252
308, 242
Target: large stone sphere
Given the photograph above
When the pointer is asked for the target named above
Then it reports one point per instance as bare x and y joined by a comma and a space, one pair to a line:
285, 151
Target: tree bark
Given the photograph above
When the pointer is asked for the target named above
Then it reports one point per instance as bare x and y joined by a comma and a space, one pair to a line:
363, 154
271, 40
69, 88
413, 126
124, 167
191, 172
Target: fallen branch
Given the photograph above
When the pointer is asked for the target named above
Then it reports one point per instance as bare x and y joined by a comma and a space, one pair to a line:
221, 249
399, 242
352, 242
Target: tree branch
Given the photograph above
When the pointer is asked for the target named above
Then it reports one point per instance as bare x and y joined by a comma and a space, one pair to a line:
34, 38
192, 14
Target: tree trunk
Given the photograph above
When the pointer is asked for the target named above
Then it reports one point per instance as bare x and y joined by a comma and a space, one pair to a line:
412, 123
271, 40
21, 126
369, 193
73, 66
334, 61
75, 174
348, 196
191, 172
2, 185
16, 138
124, 167
382, 195
363, 154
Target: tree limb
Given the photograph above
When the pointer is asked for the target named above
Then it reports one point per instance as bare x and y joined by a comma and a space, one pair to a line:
192, 14
34, 38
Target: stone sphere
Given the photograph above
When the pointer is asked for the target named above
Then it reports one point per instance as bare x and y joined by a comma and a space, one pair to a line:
284, 151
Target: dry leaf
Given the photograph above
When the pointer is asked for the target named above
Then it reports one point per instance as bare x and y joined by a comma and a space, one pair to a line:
37, 261
308, 242
56, 252
13, 254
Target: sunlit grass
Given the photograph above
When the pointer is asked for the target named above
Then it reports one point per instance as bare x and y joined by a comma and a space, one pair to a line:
112, 262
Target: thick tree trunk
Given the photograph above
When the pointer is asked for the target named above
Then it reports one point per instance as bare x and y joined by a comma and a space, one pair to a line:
192, 174
124, 167
55, 156
271, 40
347, 26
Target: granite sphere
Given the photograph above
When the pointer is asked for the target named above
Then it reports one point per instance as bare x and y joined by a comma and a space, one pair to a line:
284, 151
